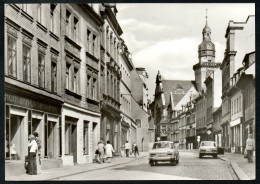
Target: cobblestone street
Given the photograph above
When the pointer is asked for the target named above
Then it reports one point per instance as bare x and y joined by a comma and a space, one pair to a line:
190, 167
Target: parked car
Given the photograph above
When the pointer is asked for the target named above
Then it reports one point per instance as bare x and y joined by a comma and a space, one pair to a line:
208, 148
163, 151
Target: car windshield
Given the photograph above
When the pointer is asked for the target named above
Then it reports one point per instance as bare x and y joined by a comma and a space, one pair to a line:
162, 145
208, 144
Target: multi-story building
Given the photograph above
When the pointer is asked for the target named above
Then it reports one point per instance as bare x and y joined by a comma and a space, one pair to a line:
111, 74
216, 128
203, 69
237, 35
128, 125
80, 31
246, 83
33, 85
140, 110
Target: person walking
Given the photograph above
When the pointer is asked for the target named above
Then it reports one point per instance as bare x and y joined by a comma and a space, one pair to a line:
38, 154
250, 147
109, 151
135, 149
127, 148
32, 145
101, 151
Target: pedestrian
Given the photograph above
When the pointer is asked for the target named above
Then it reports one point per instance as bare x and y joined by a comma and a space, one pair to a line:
38, 154
109, 151
32, 145
250, 147
135, 149
127, 148
101, 151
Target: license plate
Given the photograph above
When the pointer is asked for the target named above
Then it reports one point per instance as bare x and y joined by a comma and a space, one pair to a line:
161, 155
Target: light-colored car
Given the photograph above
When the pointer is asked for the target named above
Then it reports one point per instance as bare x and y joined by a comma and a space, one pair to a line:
208, 148
163, 151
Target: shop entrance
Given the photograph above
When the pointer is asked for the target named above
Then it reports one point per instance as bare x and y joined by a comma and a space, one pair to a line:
71, 137
51, 139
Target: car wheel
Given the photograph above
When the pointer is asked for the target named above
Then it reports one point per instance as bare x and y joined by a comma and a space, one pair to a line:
155, 162
177, 160
200, 155
151, 163
215, 156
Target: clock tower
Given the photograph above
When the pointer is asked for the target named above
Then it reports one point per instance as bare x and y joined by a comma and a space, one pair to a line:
206, 65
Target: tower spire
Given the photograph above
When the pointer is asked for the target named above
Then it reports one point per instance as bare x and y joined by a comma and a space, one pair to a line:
206, 14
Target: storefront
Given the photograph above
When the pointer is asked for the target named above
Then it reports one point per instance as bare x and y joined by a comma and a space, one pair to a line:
27, 112
236, 136
81, 133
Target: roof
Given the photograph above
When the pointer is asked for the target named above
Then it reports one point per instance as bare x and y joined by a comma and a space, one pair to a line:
172, 85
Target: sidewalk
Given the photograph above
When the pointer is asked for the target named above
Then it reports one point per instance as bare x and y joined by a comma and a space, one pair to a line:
55, 173
243, 169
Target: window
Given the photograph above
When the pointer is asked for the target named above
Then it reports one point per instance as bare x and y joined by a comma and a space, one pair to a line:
107, 42
26, 8
11, 56
67, 75
115, 89
41, 70
26, 63
53, 77
102, 75
52, 18
89, 40
85, 139
237, 105
75, 28
75, 81
89, 92
108, 85
232, 110
94, 52
94, 88
40, 15
68, 23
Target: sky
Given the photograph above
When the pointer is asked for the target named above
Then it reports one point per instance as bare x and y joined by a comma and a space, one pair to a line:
165, 37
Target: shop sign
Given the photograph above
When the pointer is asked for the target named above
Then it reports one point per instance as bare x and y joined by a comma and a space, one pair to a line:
31, 103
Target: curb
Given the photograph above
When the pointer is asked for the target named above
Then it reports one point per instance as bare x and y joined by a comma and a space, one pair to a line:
238, 171
81, 172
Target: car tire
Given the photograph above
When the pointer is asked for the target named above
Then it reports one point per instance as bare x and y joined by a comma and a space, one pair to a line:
151, 163
200, 155
177, 161
215, 156
155, 162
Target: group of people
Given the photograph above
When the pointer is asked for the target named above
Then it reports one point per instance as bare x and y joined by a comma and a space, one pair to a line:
104, 152
131, 149
34, 154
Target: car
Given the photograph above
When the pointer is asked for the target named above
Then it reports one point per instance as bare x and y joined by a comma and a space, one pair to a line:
163, 151
208, 148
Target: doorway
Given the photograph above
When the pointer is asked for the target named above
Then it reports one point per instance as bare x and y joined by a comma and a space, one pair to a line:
51, 139
94, 138
74, 142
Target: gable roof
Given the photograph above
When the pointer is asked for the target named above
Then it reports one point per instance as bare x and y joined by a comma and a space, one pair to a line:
171, 85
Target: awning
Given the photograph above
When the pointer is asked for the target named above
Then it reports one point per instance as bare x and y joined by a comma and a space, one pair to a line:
235, 122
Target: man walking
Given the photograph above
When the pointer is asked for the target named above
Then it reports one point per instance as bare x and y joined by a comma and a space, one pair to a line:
250, 146
127, 148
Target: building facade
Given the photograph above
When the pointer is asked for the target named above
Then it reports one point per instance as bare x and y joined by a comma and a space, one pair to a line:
33, 86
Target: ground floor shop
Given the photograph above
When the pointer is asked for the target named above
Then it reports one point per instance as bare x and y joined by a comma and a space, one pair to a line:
236, 136
110, 128
202, 134
80, 134
225, 136
27, 112
191, 142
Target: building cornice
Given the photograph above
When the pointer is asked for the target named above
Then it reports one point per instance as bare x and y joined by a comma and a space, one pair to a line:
206, 65
96, 17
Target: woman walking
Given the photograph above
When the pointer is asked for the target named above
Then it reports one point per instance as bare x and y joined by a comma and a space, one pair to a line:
101, 151
38, 154
32, 145
109, 151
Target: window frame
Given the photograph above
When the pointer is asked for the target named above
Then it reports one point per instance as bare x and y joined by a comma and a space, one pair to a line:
26, 62
13, 52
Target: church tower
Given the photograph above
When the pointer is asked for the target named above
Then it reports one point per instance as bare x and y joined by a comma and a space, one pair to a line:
206, 51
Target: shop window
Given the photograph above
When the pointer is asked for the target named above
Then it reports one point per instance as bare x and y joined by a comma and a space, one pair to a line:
11, 56
41, 70
26, 63
53, 77
86, 138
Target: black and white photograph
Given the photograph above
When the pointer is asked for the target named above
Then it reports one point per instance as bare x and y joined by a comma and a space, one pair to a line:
129, 91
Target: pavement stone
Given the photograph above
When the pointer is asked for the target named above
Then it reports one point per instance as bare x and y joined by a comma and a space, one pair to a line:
55, 173
243, 169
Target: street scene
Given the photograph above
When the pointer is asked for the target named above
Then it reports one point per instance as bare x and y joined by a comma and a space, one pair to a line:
115, 91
